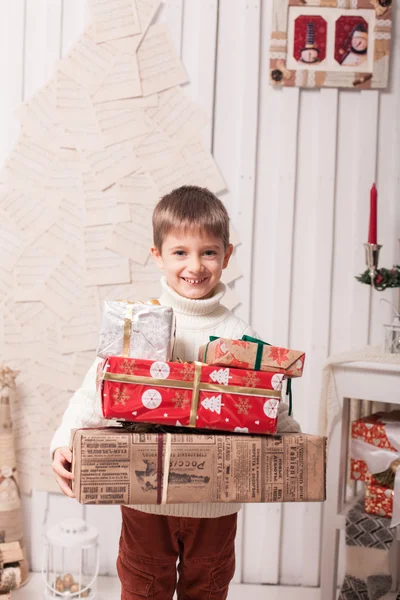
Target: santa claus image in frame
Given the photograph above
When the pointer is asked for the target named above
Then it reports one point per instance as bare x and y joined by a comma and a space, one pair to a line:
355, 50
310, 53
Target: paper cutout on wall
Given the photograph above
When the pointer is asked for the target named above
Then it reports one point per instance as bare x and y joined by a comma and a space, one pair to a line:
100, 143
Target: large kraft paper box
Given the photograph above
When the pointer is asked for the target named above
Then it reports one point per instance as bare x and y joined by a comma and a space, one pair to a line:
116, 466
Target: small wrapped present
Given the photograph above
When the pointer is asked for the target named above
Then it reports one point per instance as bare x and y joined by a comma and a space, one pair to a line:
379, 500
250, 353
375, 453
190, 395
136, 330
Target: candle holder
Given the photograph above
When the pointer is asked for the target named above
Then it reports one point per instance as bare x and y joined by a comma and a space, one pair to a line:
372, 260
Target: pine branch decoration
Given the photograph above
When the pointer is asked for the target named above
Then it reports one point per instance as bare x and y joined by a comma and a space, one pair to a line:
385, 278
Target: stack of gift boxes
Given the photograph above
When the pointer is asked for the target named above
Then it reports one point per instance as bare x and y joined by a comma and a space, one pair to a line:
231, 394
375, 458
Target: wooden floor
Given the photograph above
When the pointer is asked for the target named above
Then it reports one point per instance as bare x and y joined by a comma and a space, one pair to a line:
109, 590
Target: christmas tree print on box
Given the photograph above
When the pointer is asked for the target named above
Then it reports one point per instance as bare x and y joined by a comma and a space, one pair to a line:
214, 403
163, 392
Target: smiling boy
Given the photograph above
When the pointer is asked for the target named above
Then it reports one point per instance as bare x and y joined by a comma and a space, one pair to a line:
191, 246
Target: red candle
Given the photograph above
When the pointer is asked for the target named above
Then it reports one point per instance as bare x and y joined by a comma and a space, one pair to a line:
373, 216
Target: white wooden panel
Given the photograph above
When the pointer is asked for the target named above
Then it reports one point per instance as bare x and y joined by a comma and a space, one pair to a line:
244, 201
38, 507
266, 232
388, 180
364, 166
316, 313
343, 269
227, 104
12, 29
107, 519
264, 567
199, 58
318, 318
42, 43
301, 297
27, 517
73, 22
171, 13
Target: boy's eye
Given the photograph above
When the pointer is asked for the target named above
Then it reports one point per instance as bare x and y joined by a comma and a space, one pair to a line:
179, 252
210, 253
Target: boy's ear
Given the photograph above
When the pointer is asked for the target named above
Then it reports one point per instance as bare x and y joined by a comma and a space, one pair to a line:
156, 254
228, 254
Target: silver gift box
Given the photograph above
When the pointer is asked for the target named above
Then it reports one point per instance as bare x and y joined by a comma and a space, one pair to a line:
137, 330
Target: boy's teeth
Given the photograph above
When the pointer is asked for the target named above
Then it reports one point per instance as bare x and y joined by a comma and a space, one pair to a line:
194, 280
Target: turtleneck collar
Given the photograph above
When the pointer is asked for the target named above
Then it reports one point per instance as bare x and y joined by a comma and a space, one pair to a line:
188, 306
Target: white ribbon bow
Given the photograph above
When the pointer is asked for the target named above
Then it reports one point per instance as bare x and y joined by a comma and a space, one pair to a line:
380, 459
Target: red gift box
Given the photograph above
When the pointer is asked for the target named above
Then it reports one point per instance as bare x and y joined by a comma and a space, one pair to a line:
379, 500
371, 430
190, 395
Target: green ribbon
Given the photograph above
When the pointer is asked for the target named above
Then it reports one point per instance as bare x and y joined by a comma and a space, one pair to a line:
260, 349
289, 393
257, 366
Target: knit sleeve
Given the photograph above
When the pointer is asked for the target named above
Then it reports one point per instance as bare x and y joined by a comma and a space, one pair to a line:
286, 423
83, 410
250, 331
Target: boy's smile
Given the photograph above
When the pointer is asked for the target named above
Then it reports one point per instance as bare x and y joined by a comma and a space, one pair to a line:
193, 262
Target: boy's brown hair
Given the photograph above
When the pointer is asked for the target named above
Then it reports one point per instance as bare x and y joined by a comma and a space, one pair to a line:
190, 206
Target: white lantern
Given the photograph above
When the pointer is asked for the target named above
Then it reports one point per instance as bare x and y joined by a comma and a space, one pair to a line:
71, 560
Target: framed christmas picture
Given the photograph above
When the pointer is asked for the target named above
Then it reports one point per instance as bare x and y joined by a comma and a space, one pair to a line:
331, 43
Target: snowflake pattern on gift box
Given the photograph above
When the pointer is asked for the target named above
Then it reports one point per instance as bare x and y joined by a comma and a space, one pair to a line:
279, 355
251, 379
243, 406
187, 372
128, 366
120, 396
160, 370
151, 399
180, 400
271, 408
152, 335
111, 336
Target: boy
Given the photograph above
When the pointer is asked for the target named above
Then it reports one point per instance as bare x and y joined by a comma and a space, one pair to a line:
191, 246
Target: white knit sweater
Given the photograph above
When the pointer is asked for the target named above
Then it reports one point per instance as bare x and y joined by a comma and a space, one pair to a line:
196, 320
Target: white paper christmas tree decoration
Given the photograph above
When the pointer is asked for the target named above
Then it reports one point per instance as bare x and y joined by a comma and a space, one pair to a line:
221, 376
103, 139
213, 404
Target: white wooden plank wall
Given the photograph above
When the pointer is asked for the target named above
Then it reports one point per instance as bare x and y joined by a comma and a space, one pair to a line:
298, 165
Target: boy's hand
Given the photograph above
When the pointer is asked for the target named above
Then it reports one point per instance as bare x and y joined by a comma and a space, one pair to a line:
61, 466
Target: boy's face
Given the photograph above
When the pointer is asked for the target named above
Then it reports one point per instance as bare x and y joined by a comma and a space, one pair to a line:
192, 262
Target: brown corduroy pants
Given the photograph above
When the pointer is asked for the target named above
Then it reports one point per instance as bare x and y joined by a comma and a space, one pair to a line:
151, 545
